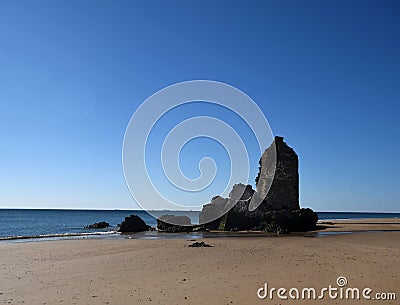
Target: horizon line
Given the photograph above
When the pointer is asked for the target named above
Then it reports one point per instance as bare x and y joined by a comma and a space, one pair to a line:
153, 210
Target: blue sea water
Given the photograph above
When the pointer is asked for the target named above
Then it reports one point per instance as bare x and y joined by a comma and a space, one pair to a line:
35, 222
32, 222
355, 215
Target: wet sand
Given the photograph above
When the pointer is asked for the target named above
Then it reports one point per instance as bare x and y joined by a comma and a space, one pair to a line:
360, 225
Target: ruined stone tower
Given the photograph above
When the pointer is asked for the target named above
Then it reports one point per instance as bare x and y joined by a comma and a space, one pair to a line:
279, 208
284, 191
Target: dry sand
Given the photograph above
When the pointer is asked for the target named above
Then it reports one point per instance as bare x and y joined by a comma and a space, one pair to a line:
129, 271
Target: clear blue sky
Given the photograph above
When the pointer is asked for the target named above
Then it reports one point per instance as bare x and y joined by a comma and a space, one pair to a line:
325, 73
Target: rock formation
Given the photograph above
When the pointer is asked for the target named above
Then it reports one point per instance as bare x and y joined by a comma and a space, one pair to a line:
98, 225
284, 191
174, 224
284, 221
280, 208
200, 244
210, 212
132, 224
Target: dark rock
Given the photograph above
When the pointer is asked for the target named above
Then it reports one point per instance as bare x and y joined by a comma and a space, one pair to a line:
211, 213
284, 191
237, 218
220, 210
198, 244
327, 223
241, 192
98, 225
174, 224
277, 192
240, 218
283, 221
133, 223
200, 229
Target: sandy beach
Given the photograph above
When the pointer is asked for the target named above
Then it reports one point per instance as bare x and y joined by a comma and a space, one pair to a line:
199, 152
131, 271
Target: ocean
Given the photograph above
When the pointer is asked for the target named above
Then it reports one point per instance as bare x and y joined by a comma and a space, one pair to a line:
52, 223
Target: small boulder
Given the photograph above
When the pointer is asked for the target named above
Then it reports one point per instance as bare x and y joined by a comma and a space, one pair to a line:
98, 225
174, 224
198, 244
133, 223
